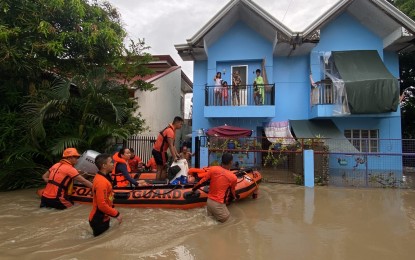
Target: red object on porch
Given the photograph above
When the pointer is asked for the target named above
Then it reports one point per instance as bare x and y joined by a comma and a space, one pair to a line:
229, 131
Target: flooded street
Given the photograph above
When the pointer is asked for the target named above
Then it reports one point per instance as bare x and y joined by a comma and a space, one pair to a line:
285, 222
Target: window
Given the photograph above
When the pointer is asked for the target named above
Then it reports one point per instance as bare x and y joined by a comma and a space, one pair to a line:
364, 140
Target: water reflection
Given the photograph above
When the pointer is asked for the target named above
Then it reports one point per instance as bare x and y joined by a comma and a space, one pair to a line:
285, 222
308, 205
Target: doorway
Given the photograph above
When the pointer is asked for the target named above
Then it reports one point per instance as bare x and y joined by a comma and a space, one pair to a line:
243, 93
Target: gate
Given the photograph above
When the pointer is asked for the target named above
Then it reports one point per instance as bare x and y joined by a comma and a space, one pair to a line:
280, 161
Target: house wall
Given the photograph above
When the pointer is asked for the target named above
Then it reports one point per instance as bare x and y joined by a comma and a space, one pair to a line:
291, 76
159, 107
292, 89
345, 33
239, 46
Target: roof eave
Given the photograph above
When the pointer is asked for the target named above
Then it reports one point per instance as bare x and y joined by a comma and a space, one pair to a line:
396, 14
194, 49
326, 17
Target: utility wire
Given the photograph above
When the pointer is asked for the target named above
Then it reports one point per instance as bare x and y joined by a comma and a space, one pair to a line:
289, 5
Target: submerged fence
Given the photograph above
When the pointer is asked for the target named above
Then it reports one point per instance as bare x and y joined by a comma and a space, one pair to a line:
339, 162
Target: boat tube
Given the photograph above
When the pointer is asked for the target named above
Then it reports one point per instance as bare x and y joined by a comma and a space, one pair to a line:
175, 193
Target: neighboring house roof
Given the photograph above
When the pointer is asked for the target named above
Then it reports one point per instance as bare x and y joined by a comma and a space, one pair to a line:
159, 74
394, 27
163, 65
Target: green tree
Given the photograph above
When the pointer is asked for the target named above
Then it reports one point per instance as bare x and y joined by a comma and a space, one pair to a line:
407, 76
52, 93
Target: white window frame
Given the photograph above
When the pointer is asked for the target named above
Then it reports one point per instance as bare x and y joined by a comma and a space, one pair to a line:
364, 140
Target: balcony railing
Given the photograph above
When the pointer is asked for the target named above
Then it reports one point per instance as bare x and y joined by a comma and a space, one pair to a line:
324, 94
244, 95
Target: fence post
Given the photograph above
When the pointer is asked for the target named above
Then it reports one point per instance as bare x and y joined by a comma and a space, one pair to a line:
308, 156
197, 152
204, 157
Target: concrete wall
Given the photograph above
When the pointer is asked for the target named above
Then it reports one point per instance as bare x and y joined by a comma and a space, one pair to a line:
159, 107
243, 46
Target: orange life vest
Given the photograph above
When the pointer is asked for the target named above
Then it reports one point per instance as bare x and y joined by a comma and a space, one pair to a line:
60, 180
118, 178
161, 145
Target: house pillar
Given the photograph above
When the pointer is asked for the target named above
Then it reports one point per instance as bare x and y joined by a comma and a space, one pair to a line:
308, 156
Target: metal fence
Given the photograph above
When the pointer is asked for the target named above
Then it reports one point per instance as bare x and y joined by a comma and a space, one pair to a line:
338, 162
142, 145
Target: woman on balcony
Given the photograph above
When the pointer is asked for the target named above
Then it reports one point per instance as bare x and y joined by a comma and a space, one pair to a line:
218, 89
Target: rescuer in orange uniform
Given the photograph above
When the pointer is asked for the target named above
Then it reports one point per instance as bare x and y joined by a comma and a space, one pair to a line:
135, 162
164, 142
222, 186
151, 164
59, 179
102, 207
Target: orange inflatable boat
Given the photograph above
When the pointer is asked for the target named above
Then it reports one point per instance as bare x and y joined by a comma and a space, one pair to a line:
167, 195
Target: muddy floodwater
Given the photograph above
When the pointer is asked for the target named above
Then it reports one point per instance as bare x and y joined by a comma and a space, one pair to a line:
285, 222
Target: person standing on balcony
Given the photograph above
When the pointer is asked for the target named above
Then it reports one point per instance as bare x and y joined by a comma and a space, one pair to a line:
236, 82
225, 92
218, 88
259, 92
164, 142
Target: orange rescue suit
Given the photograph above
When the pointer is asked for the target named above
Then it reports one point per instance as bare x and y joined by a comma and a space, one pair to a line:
222, 183
103, 195
60, 179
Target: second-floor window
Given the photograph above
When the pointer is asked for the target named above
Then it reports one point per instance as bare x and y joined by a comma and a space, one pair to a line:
364, 140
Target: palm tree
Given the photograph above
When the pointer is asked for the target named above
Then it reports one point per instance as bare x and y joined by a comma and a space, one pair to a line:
86, 112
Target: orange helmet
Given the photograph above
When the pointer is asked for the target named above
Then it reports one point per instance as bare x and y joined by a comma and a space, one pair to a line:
69, 152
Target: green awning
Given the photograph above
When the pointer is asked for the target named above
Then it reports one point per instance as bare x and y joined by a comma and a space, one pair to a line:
370, 87
325, 129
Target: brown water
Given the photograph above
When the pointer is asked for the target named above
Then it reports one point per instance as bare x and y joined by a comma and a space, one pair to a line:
286, 222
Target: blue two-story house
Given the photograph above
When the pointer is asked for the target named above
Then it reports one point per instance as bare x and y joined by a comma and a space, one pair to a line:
335, 79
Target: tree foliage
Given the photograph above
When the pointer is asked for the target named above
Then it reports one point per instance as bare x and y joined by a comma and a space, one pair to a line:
65, 80
407, 76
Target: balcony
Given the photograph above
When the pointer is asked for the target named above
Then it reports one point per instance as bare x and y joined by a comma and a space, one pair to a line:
327, 101
323, 100
242, 102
